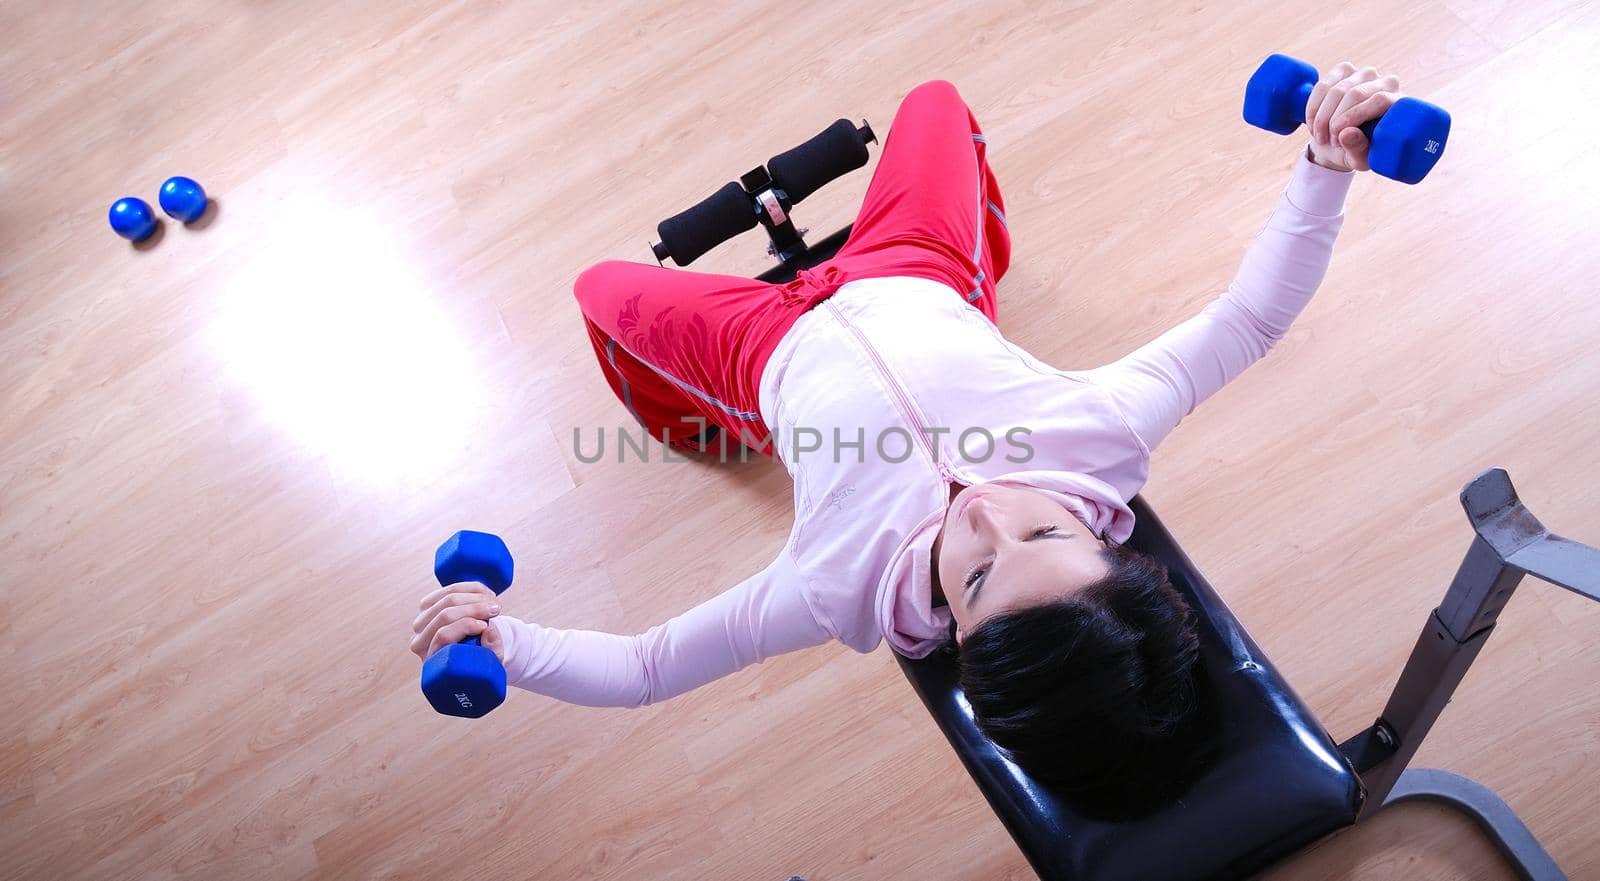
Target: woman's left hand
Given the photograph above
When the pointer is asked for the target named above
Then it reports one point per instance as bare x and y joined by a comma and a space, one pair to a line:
1342, 100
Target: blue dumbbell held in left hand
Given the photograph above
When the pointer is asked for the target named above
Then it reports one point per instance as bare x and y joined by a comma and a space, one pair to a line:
1405, 142
465, 678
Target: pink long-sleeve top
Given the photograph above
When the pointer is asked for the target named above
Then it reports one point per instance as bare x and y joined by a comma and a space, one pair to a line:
916, 375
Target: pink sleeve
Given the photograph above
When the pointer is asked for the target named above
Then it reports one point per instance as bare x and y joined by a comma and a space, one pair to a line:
762, 616
1163, 381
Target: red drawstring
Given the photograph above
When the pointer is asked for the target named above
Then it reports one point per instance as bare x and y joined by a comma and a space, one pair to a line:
825, 282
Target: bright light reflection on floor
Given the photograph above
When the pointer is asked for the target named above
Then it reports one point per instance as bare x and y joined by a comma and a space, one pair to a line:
343, 347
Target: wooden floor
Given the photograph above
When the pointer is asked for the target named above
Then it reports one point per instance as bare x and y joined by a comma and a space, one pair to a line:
225, 460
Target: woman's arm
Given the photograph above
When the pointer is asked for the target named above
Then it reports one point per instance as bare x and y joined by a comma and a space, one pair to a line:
1163, 381
762, 616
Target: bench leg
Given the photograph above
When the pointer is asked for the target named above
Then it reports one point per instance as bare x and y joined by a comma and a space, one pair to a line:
1527, 857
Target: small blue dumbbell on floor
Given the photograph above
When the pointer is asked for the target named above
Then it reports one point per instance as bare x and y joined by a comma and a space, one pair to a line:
183, 199
466, 679
132, 219
1405, 142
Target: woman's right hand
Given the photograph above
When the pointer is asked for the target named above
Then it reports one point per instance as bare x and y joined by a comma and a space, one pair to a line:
451, 614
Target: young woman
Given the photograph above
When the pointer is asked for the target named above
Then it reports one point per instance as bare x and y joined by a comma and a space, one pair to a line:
950, 489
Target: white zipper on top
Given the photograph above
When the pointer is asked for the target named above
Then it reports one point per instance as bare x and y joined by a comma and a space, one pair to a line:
908, 407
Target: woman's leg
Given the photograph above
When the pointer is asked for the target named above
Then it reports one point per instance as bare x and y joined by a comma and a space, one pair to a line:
684, 350
933, 208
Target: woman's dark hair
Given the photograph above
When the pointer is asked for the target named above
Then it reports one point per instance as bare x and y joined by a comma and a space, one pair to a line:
1096, 695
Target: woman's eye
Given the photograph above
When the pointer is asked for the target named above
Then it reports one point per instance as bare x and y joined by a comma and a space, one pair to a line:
1043, 530
972, 578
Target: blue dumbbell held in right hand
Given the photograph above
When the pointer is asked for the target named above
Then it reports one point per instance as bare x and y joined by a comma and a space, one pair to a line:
466, 679
1405, 142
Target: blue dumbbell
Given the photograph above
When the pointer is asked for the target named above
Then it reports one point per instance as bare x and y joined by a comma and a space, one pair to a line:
466, 679
1405, 141
183, 199
132, 218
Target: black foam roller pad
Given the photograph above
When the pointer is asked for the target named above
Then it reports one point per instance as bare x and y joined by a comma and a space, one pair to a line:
802, 171
718, 218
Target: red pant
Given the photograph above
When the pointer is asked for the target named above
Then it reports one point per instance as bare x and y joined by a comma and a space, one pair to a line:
684, 350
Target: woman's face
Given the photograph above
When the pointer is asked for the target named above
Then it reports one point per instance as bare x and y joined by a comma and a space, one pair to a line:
1003, 548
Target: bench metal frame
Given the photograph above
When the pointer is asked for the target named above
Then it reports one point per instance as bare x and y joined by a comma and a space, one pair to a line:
1509, 544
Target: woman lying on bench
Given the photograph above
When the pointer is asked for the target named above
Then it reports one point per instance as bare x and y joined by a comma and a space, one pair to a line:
951, 490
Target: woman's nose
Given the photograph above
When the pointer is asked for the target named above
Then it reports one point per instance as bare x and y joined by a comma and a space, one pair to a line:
984, 517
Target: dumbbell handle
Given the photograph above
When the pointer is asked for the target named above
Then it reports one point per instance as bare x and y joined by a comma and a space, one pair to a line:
469, 640
485, 579
1305, 99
